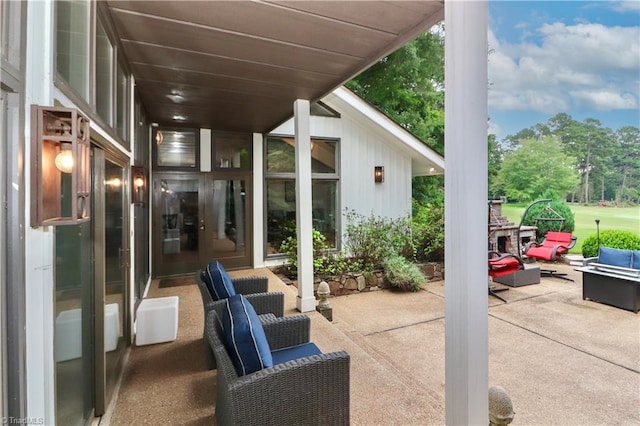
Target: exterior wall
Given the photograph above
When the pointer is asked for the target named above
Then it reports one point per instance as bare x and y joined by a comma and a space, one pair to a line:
362, 148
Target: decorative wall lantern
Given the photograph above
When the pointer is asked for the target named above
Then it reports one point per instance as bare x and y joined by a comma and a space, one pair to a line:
60, 166
378, 174
139, 185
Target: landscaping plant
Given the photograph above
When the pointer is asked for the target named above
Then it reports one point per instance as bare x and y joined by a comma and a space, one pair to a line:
610, 238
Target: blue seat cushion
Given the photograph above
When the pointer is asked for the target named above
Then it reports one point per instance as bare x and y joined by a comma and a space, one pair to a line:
636, 259
287, 354
615, 257
244, 337
217, 281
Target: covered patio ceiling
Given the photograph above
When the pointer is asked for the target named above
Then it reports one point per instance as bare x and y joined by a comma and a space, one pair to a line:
239, 65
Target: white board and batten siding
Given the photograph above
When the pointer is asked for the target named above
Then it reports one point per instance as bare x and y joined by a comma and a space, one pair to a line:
362, 148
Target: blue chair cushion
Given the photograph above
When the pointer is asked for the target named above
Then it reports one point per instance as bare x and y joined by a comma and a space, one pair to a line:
287, 354
615, 257
244, 336
636, 259
217, 281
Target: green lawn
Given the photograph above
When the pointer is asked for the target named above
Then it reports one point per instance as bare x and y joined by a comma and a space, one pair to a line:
620, 218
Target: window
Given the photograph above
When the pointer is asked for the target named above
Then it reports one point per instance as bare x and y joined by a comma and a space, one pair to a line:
281, 194
104, 74
10, 35
72, 53
122, 103
176, 148
232, 150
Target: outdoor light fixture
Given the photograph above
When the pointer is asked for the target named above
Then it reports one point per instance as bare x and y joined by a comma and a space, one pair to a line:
159, 137
138, 185
60, 166
378, 174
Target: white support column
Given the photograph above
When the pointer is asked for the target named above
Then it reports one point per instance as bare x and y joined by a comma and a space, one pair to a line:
258, 201
304, 222
39, 243
466, 312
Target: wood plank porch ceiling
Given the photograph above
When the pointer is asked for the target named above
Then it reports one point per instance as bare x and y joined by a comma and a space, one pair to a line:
239, 65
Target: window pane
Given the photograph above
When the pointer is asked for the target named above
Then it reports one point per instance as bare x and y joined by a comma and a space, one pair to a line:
323, 156
324, 193
122, 103
281, 213
178, 148
104, 74
72, 54
281, 155
232, 150
11, 32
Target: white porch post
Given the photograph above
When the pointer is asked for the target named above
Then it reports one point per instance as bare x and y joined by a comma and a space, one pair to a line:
466, 311
304, 224
258, 202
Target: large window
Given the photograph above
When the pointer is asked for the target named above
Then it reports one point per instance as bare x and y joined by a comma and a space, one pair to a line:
72, 53
281, 194
104, 74
122, 100
10, 32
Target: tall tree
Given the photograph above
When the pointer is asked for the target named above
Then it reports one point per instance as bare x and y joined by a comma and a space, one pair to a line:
628, 164
539, 165
408, 86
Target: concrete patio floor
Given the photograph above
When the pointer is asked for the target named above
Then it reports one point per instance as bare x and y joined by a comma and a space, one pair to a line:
564, 361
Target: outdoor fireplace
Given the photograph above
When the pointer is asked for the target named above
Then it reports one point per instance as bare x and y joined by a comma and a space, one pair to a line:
503, 234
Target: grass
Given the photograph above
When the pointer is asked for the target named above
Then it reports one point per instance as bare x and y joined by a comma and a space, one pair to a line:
619, 218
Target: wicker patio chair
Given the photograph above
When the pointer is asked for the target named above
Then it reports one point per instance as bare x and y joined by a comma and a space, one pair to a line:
267, 305
312, 390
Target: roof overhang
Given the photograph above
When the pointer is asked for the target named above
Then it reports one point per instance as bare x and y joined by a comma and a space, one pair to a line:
240, 65
424, 160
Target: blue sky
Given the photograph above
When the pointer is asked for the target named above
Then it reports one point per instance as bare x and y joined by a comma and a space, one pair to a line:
580, 58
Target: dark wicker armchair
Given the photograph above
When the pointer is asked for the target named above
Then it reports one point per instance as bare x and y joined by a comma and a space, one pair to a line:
268, 305
312, 390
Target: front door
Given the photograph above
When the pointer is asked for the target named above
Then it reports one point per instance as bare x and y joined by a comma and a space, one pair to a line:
199, 217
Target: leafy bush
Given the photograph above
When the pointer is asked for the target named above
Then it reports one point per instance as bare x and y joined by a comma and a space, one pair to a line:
374, 239
610, 238
403, 274
290, 248
325, 261
556, 209
428, 231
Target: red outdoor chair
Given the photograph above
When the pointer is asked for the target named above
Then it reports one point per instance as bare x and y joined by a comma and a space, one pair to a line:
554, 246
502, 264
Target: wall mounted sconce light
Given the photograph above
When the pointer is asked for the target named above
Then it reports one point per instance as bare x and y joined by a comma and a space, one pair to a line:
159, 137
139, 185
60, 166
378, 174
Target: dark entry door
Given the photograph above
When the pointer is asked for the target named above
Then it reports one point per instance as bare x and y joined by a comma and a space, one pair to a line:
198, 218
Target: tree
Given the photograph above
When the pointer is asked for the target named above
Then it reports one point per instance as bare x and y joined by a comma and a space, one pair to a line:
495, 154
537, 166
628, 164
408, 86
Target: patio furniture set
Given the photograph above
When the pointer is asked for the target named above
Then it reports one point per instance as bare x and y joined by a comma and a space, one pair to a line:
268, 370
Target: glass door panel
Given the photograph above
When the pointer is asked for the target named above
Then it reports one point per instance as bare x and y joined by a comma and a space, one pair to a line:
73, 324
116, 272
177, 223
227, 223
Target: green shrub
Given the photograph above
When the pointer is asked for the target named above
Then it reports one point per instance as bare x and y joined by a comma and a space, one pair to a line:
290, 247
553, 212
428, 231
610, 238
374, 239
403, 274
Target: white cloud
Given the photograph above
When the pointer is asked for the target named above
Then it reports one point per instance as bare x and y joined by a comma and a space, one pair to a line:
625, 6
571, 67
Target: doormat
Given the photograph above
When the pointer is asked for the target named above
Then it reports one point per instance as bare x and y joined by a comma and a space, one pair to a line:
176, 281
